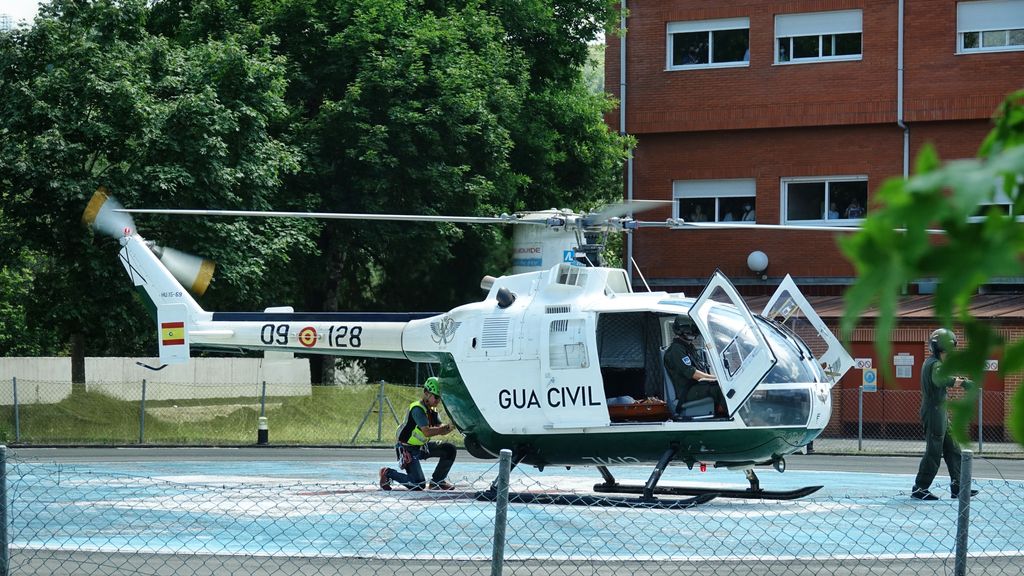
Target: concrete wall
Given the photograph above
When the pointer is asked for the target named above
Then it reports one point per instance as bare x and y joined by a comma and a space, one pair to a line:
40, 380
48, 380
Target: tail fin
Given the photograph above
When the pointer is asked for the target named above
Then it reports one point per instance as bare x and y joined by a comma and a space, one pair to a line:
166, 298
158, 273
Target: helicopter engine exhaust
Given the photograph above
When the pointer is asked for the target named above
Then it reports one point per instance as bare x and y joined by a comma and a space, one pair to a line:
505, 297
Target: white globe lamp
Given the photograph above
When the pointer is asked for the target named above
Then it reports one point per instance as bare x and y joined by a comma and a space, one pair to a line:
757, 261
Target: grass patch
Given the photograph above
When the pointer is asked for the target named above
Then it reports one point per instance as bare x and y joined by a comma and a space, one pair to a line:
330, 415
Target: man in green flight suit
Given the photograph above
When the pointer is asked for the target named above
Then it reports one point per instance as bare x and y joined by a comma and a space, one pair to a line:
938, 442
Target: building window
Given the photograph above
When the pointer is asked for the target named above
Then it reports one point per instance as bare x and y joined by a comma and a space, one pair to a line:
818, 201
1001, 201
708, 43
714, 200
818, 36
990, 26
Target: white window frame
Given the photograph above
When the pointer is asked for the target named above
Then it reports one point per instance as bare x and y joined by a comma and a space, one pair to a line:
820, 24
709, 26
989, 17
1001, 198
713, 189
827, 180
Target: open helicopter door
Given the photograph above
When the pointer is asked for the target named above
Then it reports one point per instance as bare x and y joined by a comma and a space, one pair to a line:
739, 354
789, 307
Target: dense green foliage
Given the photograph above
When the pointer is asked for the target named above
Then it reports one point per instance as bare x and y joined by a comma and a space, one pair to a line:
469, 107
968, 254
89, 97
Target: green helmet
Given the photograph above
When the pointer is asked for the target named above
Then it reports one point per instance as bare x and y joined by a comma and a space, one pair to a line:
942, 340
684, 328
433, 385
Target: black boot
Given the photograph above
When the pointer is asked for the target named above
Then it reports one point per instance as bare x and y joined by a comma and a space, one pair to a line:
954, 491
922, 494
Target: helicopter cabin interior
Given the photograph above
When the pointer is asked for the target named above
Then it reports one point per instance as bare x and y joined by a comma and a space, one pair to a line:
630, 348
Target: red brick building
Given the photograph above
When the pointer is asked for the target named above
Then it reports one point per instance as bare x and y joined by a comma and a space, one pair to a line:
799, 110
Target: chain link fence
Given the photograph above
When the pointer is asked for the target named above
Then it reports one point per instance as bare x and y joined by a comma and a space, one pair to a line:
36, 412
127, 413
888, 422
76, 519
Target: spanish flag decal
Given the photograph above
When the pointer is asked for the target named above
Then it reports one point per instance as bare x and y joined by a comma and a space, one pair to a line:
172, 333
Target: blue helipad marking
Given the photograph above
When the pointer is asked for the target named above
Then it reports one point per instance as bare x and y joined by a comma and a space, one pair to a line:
334, 509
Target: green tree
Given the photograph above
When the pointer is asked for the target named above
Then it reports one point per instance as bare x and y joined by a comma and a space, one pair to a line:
89, 97
967, 256
425, 107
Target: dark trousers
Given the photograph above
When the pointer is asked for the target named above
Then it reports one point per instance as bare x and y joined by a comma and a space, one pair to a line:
939, 444
414, 479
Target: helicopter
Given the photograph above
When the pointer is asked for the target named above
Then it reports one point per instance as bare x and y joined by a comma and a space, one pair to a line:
550, 363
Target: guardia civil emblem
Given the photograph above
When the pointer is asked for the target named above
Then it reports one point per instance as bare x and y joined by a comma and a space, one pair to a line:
443, 330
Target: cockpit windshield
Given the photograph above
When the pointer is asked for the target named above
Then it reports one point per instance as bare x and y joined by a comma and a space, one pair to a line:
795, 363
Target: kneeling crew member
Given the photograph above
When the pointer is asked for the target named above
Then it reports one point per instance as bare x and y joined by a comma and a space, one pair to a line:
421, 423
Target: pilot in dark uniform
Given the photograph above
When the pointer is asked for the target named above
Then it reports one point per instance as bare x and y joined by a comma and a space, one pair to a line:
690, 375
939, 444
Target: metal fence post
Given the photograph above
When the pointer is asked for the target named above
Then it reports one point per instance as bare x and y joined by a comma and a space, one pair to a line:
142, 413
5, 553
860, 418
17, 416
380, 410
263, 400
963, 517
501, 511
981, 419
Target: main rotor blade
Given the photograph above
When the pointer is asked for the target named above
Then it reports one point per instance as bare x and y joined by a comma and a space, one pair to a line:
620, 209
682, 224
503, 219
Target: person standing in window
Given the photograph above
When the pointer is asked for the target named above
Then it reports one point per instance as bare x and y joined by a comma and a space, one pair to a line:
833, 213
854, 210
698, 214
748, 213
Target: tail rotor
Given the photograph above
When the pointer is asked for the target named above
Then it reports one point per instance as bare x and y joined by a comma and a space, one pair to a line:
104, 214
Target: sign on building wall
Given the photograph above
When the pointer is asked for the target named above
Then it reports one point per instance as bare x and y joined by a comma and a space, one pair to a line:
904, 363
862, 363
870, 380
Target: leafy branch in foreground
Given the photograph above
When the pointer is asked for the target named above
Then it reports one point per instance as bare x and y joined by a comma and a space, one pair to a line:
895, 247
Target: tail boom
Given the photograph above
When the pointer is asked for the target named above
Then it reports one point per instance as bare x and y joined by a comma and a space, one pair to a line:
183, 324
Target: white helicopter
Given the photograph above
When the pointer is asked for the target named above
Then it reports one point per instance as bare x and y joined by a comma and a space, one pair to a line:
550, 363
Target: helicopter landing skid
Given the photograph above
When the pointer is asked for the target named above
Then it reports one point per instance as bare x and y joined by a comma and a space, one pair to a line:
723, 492
598, 501
610, 486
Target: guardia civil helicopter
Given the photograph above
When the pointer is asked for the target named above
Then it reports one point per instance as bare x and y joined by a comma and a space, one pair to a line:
562, 365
